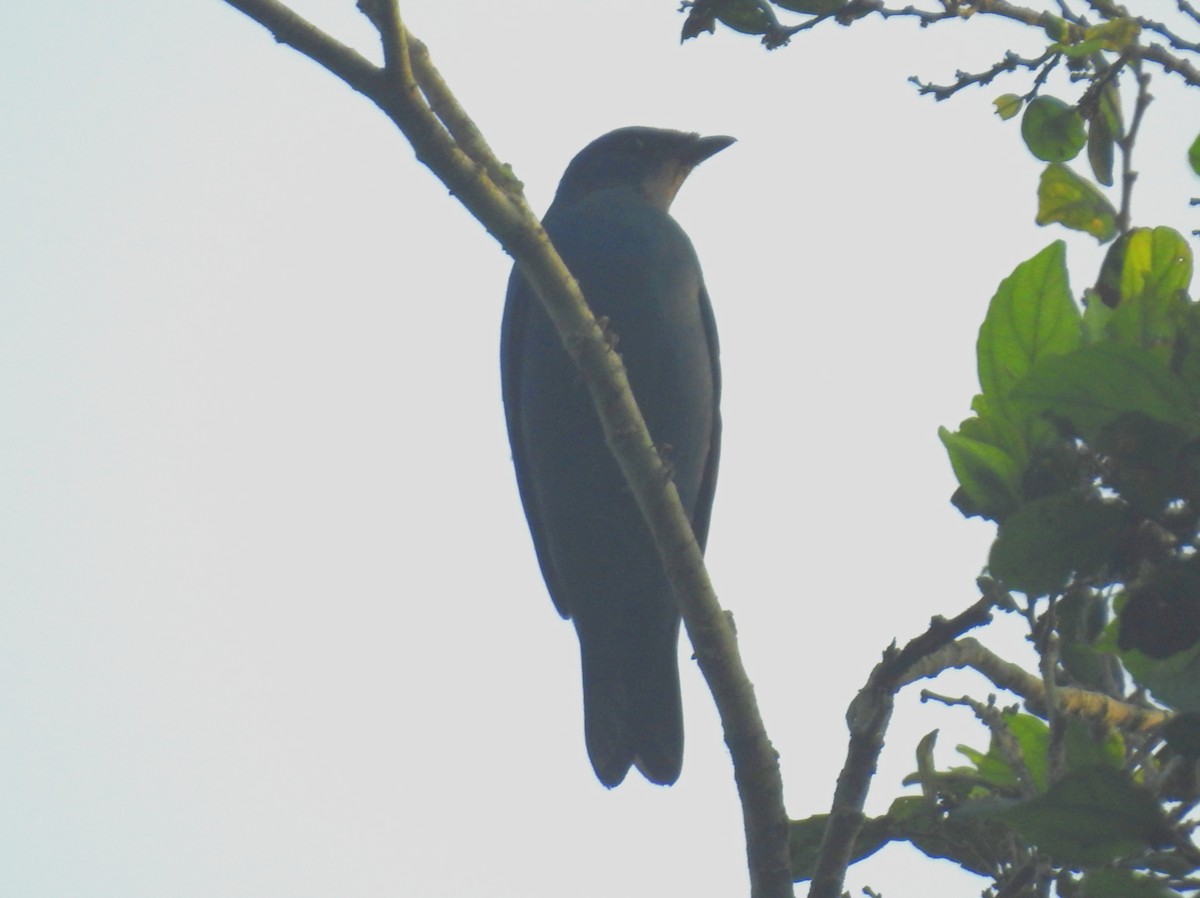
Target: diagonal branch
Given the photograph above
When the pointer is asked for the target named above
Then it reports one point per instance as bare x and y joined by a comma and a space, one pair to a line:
298, 33
409, 91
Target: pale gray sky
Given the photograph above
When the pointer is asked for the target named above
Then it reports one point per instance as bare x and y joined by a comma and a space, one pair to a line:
270, 620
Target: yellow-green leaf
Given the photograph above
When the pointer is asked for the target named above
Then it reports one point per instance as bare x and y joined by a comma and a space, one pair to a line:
1068, 199
1116, 34
1007, 105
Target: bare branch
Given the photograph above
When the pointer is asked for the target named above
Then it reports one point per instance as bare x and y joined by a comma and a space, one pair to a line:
777, 34
1170, 63
1126, 143
1173, 39
298, 33
1010, 63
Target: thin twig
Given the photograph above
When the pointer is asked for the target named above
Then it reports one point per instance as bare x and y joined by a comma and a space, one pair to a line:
1126, 143
1010, 63
1046, 643
777, 34
1173, 39
1070, 15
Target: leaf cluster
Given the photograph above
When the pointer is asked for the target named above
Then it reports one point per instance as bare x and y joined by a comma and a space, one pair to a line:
1084, 447
988, 815
1085, 442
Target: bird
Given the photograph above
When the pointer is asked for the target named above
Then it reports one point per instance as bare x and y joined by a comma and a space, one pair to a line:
610, 222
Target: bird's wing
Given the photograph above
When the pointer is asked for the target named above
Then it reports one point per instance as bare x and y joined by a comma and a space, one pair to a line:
708, 483
519, 303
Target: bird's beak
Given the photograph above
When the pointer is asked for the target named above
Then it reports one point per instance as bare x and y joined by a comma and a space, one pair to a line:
703, 147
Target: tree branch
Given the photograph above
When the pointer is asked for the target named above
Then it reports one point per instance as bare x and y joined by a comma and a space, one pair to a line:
777, 34
1010, 63
867, 719
409, 90
1082, 704
300, 34
1126, 143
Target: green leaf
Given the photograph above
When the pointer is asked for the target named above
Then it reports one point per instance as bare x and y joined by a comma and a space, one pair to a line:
1096, 316
804, 842
1188, 361
1146, 462
1086, 749
1194, 155
991, 770
1031, 316
1008, 105
1052, 129
1104, 130
1158, 264
1161, 614
1081, 50
1031, 736
988, 474
1043, 543
1094, 385
1056, 28
1155, 271
1070, 200
1122, 884
1115, 34
1108, 282
1082, 616
1174, 681
977, 846
1090, 817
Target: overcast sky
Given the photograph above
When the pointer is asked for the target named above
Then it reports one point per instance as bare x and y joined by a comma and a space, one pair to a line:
270, 620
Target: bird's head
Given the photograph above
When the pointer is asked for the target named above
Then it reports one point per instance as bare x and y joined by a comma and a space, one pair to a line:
653, 160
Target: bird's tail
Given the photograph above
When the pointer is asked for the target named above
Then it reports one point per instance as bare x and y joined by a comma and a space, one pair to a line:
633, 714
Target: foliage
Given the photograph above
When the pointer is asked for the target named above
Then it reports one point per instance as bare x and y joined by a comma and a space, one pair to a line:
1084, 448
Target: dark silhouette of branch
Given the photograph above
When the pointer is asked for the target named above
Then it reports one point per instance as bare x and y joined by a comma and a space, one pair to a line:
1010, 63
776, 34
868, 718
1126, 143
411, 93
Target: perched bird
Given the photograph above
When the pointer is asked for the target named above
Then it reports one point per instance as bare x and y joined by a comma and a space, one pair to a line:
610, 223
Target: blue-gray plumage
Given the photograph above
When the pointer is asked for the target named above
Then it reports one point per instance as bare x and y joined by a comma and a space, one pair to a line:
610, 223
